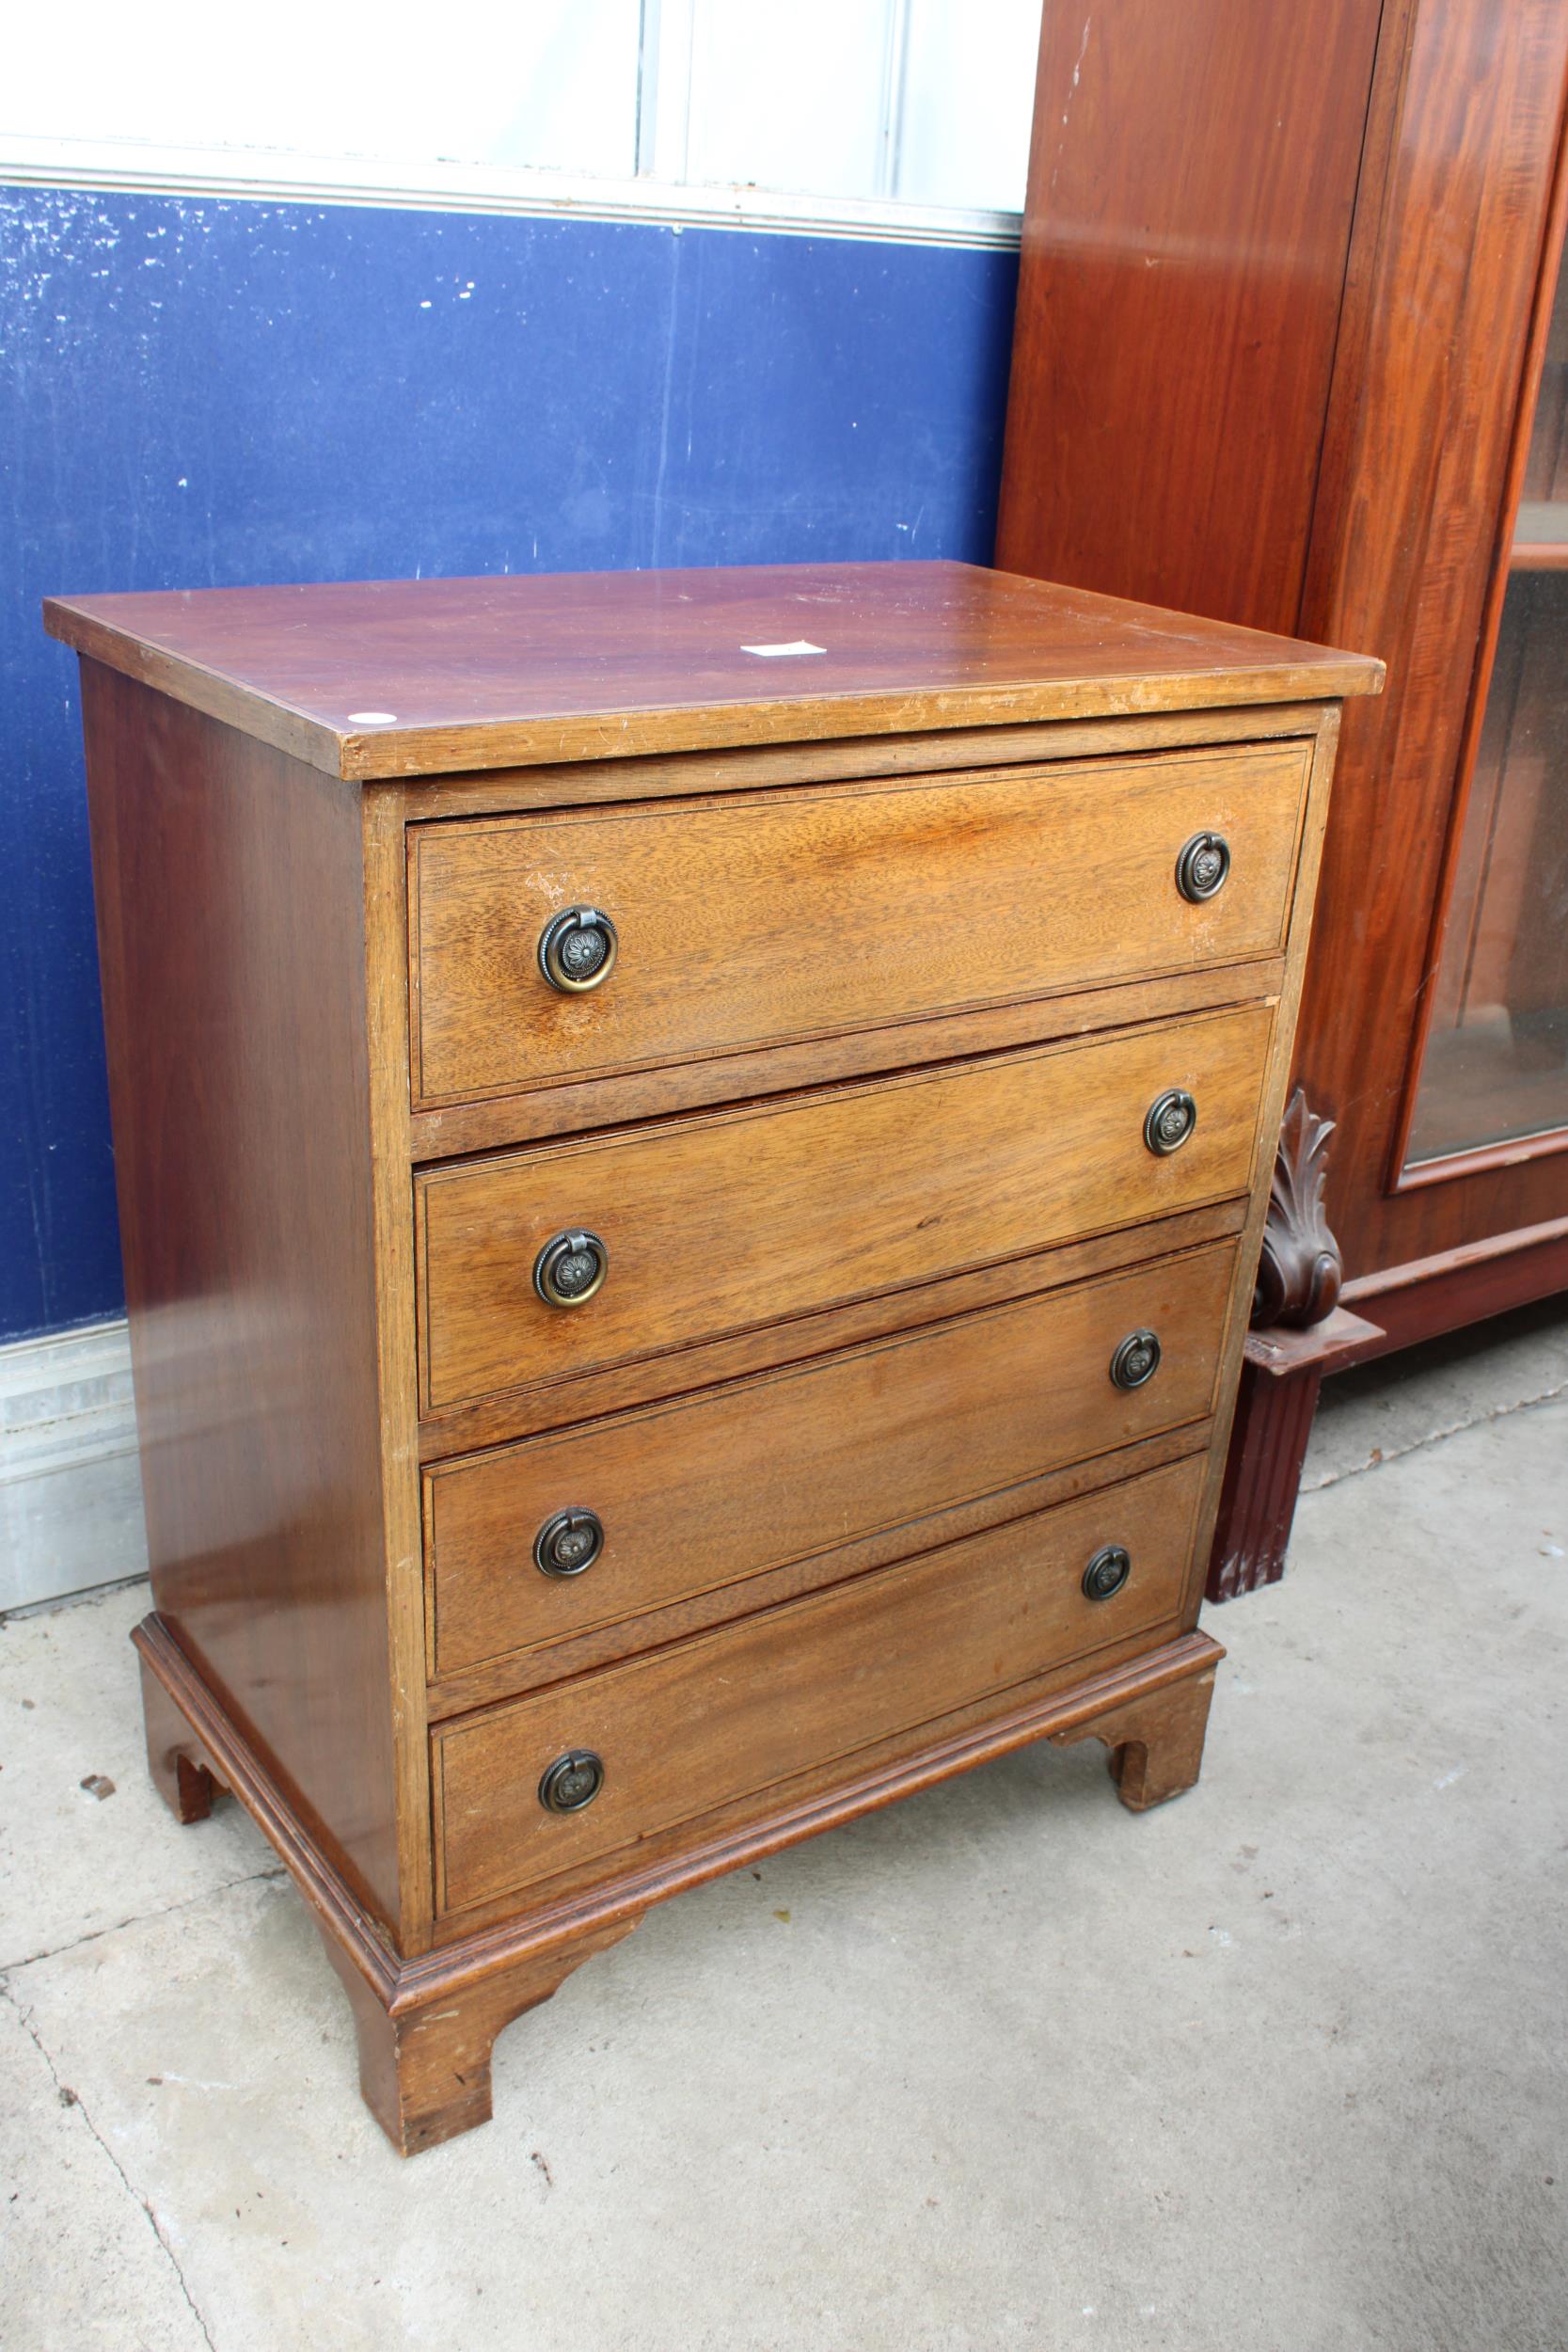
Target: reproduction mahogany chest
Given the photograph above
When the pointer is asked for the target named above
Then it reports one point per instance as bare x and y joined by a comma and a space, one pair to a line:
691, 1154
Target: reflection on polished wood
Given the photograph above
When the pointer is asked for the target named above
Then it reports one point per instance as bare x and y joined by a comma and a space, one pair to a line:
474, 674
1191, 190
227, 882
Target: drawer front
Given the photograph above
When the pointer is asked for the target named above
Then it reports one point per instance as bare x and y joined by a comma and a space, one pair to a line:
750, 919
709, 1490
722, 1222
709, 1723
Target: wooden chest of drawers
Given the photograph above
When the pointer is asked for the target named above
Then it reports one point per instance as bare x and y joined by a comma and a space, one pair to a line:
691, 1154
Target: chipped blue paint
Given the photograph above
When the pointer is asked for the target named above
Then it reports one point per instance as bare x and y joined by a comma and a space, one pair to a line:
197, 393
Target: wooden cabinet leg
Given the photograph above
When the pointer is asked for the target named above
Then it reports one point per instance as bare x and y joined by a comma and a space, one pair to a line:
1274, 1404
425, 2048
180, 1772
1262, 1473
1156, 1742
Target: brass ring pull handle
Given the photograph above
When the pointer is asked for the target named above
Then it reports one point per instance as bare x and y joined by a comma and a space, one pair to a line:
577, 951
568, 1544
572, 1781
1136, 1359
1107, 1572
570, 1269
1203, 867
1172, 1117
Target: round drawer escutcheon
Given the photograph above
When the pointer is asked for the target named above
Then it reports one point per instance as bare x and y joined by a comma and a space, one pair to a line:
1203, 868
568, 1543
572, 1781
1172, 1117
1107, 1572
577, 951
570, 1269
1136, 1359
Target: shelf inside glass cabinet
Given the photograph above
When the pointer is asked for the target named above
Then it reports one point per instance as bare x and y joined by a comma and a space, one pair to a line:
1541, 536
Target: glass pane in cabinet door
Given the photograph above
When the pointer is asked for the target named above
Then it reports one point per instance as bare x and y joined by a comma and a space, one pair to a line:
1496, 1067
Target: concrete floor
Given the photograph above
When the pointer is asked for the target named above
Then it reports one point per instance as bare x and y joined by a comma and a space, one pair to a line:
1279, 2068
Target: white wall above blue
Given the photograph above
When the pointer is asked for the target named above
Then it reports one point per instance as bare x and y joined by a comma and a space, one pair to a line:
887, 103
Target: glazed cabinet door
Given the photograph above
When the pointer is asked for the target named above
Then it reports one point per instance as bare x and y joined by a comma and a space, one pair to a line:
1494, 1071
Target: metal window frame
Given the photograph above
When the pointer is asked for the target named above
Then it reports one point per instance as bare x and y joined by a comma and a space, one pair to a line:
658, 193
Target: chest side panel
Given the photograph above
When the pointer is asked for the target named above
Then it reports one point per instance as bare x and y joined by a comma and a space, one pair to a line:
231, 928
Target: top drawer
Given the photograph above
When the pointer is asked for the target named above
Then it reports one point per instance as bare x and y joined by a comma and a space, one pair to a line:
754, 918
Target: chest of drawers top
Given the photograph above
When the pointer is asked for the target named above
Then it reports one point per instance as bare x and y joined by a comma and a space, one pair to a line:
691, 1149
435, 678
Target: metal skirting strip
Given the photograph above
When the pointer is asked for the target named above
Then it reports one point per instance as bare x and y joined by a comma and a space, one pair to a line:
70, 1514
239, 175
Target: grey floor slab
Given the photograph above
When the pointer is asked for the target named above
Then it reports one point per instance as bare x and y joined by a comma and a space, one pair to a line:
1385, 1408
72, 1864
1281, 2066
82, 2267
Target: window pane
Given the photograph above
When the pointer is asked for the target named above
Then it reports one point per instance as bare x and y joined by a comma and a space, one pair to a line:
926, 101
550, 82
788, 97
969, 97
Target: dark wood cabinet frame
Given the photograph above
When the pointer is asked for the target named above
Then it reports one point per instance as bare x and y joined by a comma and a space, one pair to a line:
1285, 287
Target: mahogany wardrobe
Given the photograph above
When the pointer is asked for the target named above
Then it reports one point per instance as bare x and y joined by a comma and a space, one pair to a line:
1293, 351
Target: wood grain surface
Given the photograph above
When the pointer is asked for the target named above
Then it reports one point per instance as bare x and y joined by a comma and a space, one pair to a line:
574, 1106
845, 1405
718, 1487
752, 767
514, 1413
383, 833
1425, 422
1261, 370
473, 674
753, 920
744, 1710
230, 910
722, 1221
509, 1672
1186, 237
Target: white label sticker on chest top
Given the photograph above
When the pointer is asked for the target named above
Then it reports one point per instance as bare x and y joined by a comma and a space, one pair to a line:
771, 653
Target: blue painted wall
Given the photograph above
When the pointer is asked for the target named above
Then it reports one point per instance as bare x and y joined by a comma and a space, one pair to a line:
199, 393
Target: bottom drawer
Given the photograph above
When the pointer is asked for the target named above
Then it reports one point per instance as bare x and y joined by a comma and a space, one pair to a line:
700, 1726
